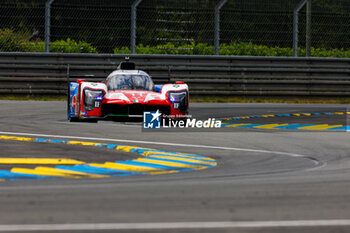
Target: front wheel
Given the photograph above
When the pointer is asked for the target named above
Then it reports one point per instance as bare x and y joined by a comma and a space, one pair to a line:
74, 119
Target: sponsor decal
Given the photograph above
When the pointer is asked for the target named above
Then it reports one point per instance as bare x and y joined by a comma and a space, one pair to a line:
74, 102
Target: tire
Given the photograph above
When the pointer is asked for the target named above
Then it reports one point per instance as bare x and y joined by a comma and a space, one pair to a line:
74, 119
89, 120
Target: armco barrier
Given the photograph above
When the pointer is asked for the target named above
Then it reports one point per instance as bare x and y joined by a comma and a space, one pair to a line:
43, 73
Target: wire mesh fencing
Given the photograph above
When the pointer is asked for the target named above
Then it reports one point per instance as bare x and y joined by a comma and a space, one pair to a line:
21, 23
102, 24
247, 27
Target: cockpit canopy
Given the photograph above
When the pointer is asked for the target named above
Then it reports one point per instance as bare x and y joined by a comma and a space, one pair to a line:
130, 82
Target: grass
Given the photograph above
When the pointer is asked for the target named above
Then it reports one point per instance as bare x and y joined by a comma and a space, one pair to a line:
290, 100
33, 98
213, 99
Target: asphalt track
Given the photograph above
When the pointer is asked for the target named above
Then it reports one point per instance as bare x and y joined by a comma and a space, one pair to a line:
266, 180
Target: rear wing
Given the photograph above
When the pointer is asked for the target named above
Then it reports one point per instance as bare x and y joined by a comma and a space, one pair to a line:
101, 78
157, 79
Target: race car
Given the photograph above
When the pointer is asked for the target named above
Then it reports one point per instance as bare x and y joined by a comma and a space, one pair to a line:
126, 93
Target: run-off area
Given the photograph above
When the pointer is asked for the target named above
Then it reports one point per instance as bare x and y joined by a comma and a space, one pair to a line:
236, 163
18, 149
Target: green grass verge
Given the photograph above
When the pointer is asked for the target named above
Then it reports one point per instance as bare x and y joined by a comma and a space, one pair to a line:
291, 100
33, 98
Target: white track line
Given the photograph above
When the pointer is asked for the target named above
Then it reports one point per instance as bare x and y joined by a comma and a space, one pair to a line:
174, 225
104, 123
318, 163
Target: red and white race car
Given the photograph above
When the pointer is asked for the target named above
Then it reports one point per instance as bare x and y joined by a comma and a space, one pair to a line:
126, 92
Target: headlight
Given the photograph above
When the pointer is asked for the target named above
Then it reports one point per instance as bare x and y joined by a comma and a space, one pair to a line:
92, 99
179, 100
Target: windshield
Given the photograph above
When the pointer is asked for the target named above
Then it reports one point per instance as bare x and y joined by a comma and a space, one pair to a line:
130, 81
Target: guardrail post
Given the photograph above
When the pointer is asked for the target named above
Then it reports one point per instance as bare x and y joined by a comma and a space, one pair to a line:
133, 26
308, 28
217, 26
47, 24
295, 26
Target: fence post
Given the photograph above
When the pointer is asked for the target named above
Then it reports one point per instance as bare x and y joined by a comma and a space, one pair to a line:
47, 24
295, 26
133, 26
308, 28
217, 26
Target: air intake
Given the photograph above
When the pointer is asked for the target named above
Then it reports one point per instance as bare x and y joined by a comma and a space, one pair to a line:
127, 65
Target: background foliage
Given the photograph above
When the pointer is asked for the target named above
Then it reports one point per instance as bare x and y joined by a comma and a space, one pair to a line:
248, 27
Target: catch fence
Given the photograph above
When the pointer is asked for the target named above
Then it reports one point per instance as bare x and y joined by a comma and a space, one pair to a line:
170, 26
